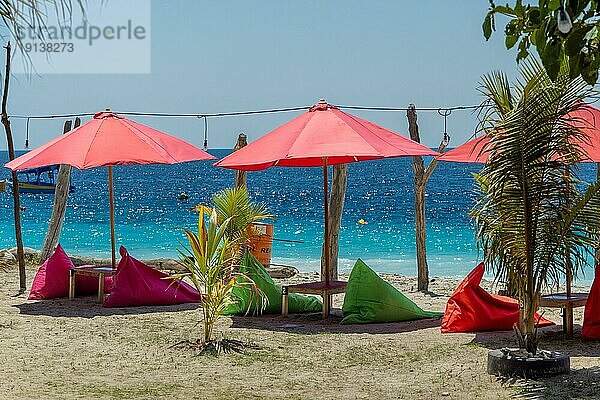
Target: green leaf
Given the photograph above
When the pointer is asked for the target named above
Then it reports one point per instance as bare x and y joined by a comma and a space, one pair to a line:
534, 17
538, 38
575, 40
551, 59
487, 26
522, 54
574, 66
510, 41
553, 5
590, 75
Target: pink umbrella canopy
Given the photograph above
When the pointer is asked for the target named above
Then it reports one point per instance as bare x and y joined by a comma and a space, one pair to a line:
108, 140
587, 119
320, 137
324, 132
474, 151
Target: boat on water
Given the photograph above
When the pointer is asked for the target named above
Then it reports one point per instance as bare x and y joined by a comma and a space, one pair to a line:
37, 180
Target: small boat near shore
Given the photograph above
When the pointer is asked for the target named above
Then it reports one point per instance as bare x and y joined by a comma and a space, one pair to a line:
35, 180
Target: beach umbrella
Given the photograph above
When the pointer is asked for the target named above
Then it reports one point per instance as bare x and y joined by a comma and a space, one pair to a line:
473, 151
586, 118
321, 137
108, 140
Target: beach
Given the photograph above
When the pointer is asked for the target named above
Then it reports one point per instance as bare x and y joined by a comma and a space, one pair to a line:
77, 349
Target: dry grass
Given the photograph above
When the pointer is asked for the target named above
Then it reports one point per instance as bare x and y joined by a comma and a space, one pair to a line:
79, 350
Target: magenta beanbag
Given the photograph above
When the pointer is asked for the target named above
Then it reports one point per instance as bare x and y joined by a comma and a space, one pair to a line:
136, 284
52, 279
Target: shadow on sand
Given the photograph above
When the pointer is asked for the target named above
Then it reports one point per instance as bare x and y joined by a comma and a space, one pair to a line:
551, 338
87, 307
313, 323
582, 383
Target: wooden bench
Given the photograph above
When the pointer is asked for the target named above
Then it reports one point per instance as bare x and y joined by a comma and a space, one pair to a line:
324, 289
567, 303
90, 270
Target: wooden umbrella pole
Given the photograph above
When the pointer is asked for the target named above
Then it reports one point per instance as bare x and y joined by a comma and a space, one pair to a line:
112, 216
326, 236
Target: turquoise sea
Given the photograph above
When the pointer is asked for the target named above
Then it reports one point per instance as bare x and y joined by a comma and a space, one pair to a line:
149, 213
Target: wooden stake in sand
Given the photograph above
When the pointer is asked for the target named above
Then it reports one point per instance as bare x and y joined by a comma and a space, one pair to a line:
421, 177
15, 180
63, 185
336, 209
240, 176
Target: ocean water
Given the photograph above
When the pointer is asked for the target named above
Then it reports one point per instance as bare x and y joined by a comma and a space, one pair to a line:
149, 214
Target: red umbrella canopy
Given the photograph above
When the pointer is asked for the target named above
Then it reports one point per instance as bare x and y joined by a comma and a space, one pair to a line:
323, 132
107, 140
587, 119
474, 151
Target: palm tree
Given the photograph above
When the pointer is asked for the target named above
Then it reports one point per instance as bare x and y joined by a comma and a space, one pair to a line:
235, 204
533, 222
209, 266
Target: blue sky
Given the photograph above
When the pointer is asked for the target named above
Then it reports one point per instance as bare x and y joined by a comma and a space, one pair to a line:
217, 56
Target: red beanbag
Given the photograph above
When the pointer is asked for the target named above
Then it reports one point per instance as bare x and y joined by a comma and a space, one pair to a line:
591, 316
52, 279
472, 309
136, 284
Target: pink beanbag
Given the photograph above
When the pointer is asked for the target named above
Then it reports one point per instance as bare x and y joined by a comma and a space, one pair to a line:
472, 309
136, 284
52, 279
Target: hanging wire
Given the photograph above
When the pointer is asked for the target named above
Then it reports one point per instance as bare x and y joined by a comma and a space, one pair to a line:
27, 134
406, 109
445, 113
239, 113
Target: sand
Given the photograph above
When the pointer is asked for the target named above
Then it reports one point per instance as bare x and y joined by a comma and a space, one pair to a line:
79, 350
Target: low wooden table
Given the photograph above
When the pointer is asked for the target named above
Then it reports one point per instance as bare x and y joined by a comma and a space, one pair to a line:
319, 288
567, 303
90, 270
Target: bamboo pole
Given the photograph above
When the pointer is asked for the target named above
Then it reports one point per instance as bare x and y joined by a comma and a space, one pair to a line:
15, 179
59, 207
112, 217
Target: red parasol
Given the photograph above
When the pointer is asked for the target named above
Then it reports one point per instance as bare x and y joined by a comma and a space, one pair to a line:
587, 119
320, 137
108, 140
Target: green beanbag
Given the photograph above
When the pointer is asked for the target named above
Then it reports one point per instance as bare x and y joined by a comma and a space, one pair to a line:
243, 296
371, 299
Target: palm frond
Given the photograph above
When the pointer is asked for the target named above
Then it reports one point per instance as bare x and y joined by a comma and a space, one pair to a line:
532, 222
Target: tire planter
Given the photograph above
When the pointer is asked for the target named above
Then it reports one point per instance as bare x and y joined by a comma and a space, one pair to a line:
507, 364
